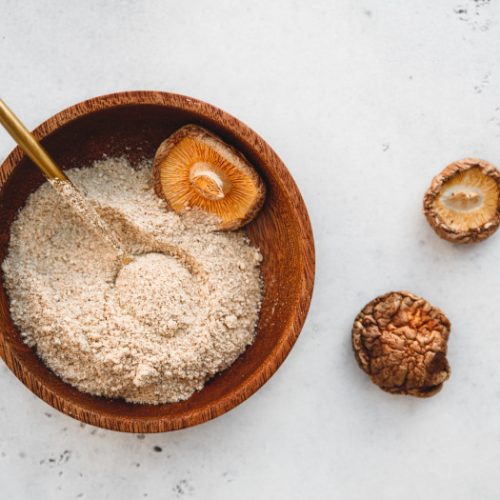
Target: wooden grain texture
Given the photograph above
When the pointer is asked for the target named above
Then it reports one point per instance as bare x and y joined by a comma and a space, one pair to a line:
133, 124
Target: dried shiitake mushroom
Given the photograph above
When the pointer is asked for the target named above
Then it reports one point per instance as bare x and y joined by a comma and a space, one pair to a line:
400, 341
462, 203
194, 168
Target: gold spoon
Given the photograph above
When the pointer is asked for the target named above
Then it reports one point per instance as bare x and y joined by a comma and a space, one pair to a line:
58, 178
29, 144
80, 203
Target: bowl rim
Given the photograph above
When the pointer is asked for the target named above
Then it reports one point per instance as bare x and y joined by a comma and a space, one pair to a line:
274, 359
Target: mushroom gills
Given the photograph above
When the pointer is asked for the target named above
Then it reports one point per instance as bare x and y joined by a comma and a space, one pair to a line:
194, 168
468, 200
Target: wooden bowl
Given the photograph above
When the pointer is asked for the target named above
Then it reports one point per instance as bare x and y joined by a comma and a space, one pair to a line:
134, 124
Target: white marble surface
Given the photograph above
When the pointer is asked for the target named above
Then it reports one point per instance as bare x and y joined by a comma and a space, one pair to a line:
365, 101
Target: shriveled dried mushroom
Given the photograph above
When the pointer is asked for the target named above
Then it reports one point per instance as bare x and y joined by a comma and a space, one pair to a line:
194, 168
400, 341
462, 203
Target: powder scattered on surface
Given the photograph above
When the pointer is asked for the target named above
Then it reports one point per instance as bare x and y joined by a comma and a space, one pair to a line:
184, 309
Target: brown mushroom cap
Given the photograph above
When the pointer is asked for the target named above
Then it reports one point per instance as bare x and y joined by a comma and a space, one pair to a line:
195, 168
400, 341
463, 202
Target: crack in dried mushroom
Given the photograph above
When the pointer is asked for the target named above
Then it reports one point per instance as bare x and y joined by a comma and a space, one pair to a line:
400, 341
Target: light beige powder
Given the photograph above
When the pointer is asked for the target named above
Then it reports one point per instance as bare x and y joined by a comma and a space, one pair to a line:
160, 328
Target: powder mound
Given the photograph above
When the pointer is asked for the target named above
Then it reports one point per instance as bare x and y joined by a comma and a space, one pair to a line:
167, 296
171, 320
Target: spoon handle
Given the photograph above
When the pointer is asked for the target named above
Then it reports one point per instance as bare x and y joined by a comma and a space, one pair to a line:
29, 144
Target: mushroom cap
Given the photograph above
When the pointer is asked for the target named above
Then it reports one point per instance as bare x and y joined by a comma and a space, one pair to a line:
195, 168
462, 203
400, 341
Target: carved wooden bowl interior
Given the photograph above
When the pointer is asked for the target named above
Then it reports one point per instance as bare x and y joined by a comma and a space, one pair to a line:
133, 124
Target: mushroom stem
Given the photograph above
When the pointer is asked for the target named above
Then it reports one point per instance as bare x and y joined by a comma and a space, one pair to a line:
463, 200
207, 182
